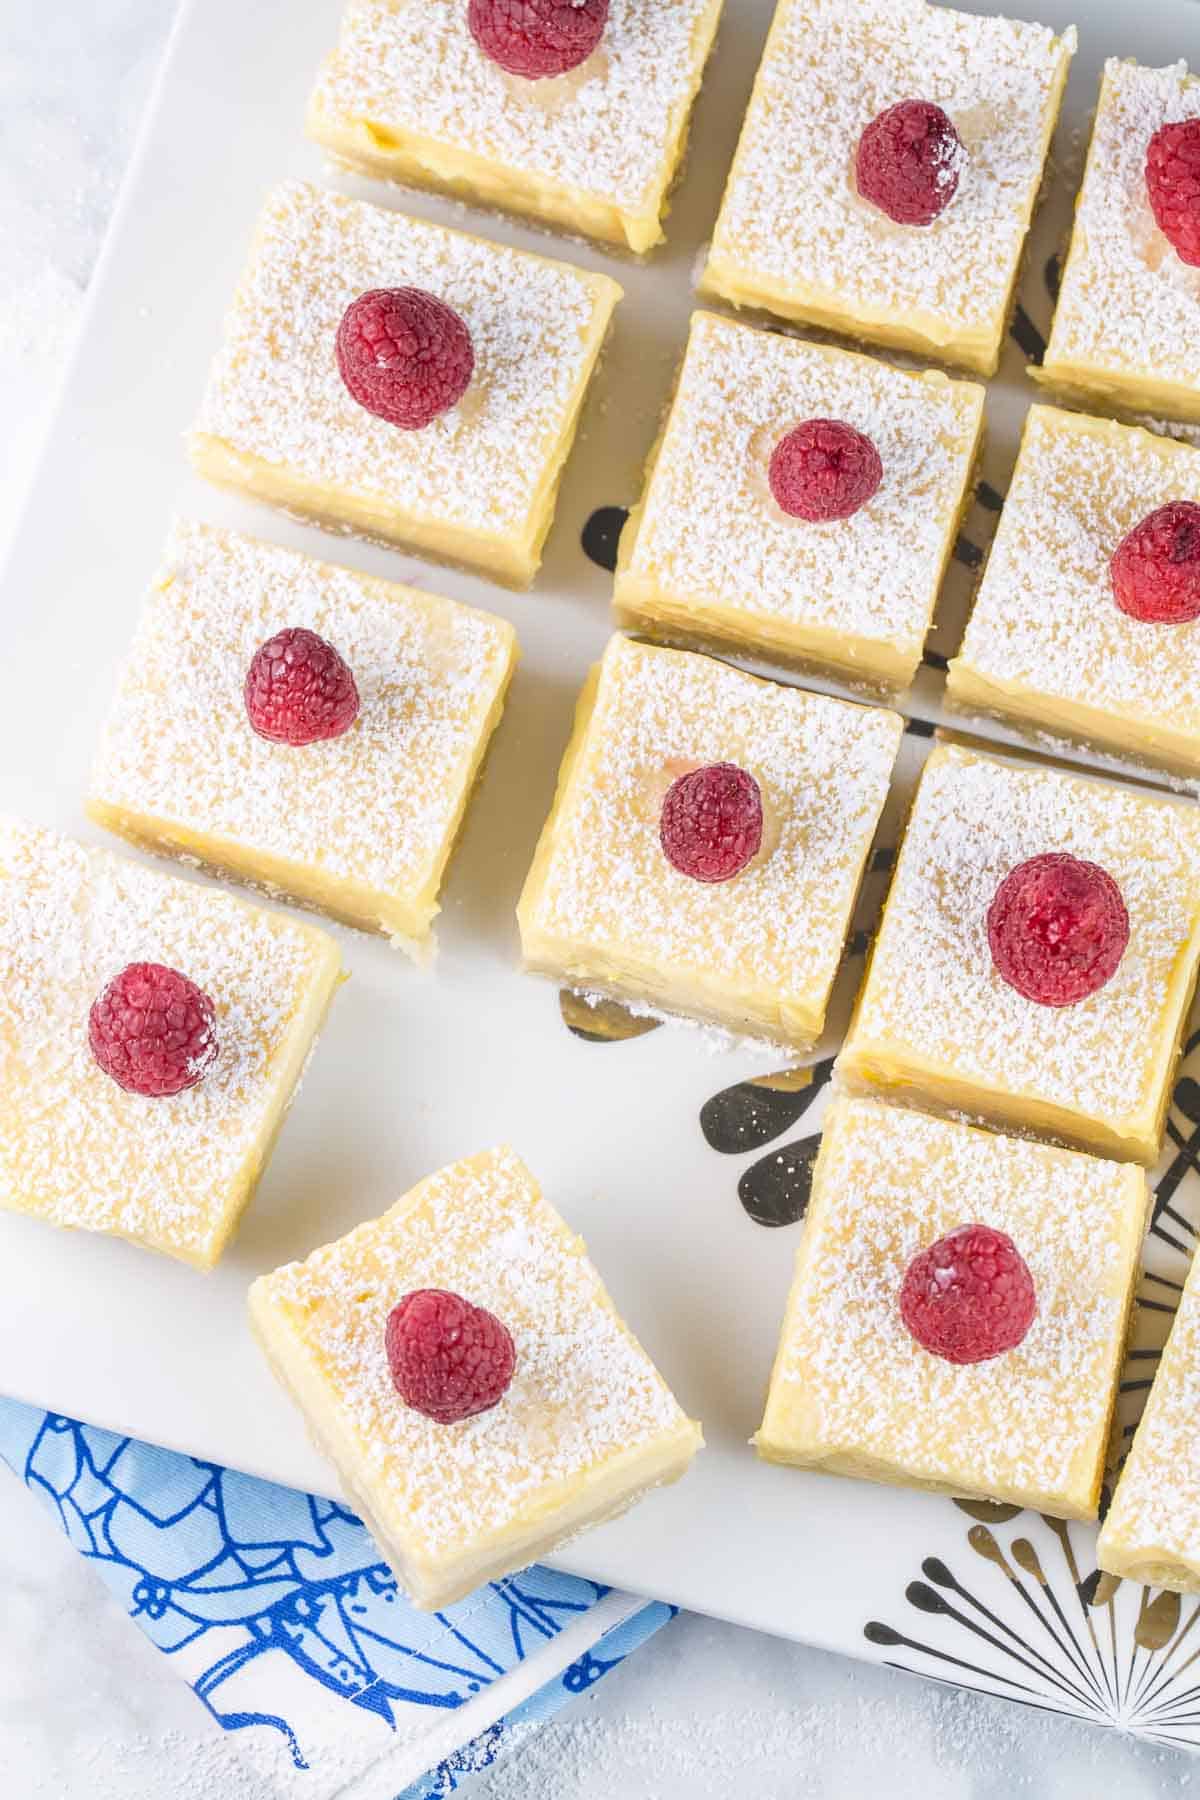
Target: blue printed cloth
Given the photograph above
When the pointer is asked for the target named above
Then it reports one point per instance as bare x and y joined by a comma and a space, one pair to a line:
279, 1611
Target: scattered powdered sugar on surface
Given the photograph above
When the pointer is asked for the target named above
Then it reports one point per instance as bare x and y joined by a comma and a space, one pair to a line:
711, 533
412, 66
1128, 301
823, 767
275, 391
932, 991
76, 1148
583, 1391
890, 1183
375, 806
792, 213
1157, 1502
1045, 615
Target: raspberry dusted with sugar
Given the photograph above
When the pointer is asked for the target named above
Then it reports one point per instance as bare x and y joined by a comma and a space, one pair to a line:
968, 1297
1057, 929
448, 1359
299, 690
823, 470
1173, 186
404, 355
712, 822
1155, 571
535, 38
153, 1030
908, 162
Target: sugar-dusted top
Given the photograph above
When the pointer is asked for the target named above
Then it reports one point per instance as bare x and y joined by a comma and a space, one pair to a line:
275, 391
889, 1183
76, 1148
823, 767
583, 1390
932, 989
1045, 615
1128, 301
375, 806
711, 531
792, 214
412, 67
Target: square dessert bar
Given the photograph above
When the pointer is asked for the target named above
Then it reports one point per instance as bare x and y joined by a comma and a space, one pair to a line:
172, 1172
586, 1427
411, 96
1047, 645
1152, 1531
360, 826
795, 235
475, 486
855, 1394
1128, 320
710, 551
605, 910
936, 1020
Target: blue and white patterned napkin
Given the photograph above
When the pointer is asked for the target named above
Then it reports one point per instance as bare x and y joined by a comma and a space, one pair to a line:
278, 1610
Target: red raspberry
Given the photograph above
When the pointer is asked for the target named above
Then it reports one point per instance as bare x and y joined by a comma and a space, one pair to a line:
824, 469
404, 355
908, 162
1155, 571
153, 1030
1173, 186
1057, 929
537, 37
298, 690
968, 1297
448, 1359
711, 823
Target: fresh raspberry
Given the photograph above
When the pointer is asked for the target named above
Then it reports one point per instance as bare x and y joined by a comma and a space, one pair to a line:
1173, 186
1155, 571
824, 469
298, 690
1057, 928
404, 355
712, 821
968, 1297
908, 162
153, 1030
537, 37
448, 1359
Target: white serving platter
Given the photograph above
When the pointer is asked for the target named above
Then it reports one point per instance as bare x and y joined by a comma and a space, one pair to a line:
418, 1068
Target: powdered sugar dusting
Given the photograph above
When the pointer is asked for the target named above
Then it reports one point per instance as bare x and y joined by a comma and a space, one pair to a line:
77, 1149
711, 535
412, 66
275, 391
1033, 1421
583, 1391
1045, 615
377, 806
932, 992
1129, 303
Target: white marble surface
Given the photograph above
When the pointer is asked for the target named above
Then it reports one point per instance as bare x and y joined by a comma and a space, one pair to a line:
88, 1709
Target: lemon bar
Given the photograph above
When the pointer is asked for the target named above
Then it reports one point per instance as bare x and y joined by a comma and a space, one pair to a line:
170, 1173
1047, 644
585, 1428
1128, 318
475, 486
606, 911
709, 552
409, 95
795, 236
1152, 1531
935, 1019
360, 827
854, 1393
